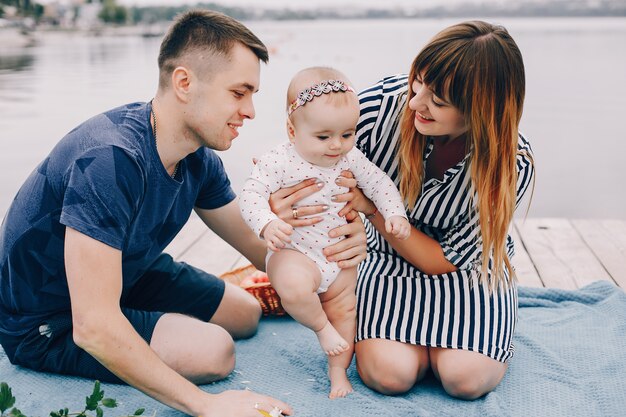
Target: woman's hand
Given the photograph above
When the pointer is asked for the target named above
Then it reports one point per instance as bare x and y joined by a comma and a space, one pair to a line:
353, 249
355, 199
283, 200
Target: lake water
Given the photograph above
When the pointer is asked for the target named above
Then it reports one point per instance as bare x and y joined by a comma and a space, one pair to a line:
574, 113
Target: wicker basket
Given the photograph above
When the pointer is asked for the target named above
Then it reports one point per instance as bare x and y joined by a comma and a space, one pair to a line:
264, 292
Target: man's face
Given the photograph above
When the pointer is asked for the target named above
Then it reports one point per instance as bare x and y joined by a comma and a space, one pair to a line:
219, 103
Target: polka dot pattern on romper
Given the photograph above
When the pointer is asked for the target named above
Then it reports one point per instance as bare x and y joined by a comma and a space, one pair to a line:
283, 167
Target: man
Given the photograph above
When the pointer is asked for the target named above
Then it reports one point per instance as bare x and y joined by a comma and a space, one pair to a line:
90, 223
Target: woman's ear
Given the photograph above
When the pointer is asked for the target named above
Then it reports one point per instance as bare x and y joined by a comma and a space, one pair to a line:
181, 82
291, 130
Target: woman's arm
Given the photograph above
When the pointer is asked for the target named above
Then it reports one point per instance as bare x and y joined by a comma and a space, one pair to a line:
419, 249
422, 251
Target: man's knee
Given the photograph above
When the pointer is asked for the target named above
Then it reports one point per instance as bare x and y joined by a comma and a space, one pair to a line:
249, 319
218, 362
239, 313
200, 351
225, 357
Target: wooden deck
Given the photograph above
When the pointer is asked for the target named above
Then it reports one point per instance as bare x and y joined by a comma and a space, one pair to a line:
554, 252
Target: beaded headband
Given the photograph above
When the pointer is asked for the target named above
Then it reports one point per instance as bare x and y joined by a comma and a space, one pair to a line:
316, 90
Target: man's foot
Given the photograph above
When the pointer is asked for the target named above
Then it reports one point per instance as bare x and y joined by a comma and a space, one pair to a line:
339, 384
332, 342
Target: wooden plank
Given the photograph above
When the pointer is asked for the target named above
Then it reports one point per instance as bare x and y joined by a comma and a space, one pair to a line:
240, 262
191, 232
211, 254
561, 257
607, 240
525, 270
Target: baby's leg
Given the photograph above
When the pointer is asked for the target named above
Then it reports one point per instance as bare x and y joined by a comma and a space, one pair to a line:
339, 303
296, 279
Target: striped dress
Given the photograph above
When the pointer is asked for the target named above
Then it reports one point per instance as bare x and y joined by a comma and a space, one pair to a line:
395, 300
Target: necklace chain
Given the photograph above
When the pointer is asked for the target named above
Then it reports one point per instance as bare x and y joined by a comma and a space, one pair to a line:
154, 132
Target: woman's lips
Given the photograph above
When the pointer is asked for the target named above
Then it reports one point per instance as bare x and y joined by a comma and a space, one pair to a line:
423, 119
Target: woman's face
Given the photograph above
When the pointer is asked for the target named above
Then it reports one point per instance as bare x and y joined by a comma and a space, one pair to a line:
434, 116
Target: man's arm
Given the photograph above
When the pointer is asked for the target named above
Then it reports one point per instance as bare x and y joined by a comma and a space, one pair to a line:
228, 224
94, 276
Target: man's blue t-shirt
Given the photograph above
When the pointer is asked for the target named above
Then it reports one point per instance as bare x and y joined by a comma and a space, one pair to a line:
105, 180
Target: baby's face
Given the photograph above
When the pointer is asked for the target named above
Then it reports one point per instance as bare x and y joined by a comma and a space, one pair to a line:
325, 132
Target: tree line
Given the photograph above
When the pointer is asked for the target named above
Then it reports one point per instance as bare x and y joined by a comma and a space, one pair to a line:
112, 12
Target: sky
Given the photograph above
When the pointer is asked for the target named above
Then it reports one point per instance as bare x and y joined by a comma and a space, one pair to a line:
309, 3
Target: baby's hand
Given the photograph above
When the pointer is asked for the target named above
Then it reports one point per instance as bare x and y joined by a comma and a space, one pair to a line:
398, 226
276, 233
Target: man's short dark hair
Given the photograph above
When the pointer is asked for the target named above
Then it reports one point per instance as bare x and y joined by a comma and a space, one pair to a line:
205, 30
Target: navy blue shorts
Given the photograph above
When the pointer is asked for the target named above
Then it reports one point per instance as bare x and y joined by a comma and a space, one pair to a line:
167, 287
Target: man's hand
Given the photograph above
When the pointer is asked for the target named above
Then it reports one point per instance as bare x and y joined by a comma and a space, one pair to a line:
243, 404
351, 250
276, 234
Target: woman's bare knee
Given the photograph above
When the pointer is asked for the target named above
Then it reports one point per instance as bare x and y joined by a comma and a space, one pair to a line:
389, 367
467, 375
387, 381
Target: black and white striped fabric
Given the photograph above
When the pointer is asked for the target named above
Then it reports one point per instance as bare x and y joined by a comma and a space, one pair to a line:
398, 302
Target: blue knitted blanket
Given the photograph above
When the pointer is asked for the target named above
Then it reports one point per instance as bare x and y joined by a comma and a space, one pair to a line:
569, 361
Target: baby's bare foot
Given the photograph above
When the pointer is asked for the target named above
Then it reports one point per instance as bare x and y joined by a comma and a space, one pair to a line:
339, 384
332, 342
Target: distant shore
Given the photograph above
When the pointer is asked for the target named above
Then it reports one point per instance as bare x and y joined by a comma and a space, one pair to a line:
15, 37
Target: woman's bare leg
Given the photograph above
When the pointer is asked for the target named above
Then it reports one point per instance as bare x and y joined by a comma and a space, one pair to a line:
465, 374
390, 367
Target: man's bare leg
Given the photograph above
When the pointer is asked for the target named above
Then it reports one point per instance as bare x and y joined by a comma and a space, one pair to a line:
238, 313
201, 352
204, 352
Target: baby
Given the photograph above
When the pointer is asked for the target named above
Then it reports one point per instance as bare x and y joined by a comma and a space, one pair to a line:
322, 115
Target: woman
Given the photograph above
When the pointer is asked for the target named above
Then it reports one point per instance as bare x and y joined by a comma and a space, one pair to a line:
448, 136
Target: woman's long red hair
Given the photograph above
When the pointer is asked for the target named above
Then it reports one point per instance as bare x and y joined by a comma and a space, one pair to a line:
478, 68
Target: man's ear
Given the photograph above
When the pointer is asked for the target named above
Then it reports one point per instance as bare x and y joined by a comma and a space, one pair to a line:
181, 81
291, 130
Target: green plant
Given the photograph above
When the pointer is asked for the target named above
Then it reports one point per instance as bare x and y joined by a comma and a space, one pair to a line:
95, 402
